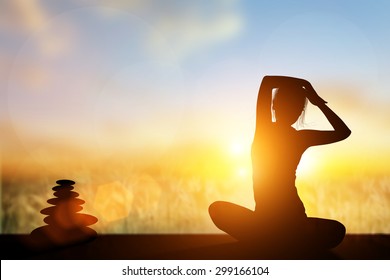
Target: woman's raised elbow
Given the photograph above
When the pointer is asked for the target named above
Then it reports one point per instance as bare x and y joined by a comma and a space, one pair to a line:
347, 133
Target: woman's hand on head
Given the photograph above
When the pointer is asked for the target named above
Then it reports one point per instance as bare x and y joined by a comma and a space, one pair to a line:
292, 82
312, 95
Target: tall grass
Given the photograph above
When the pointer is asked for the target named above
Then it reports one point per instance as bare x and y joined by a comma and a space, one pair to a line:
174, 198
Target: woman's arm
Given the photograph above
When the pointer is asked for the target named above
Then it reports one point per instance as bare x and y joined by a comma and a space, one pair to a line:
263, 108
341, 130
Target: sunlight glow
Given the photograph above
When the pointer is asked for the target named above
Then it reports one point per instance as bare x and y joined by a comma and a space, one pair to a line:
236, 148
307, 164
242, 172
113, 201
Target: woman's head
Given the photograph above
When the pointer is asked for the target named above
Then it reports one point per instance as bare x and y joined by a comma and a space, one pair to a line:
289, 104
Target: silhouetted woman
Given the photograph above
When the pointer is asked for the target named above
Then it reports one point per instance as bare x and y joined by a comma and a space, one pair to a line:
279, 216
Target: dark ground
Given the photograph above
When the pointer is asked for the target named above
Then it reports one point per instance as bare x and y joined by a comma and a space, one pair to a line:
191, 246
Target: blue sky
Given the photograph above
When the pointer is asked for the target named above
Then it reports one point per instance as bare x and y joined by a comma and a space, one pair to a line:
128, 72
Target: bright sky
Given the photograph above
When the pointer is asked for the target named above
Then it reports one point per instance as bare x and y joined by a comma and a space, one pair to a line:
115, 76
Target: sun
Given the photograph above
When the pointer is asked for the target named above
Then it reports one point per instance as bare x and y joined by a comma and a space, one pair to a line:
239, 152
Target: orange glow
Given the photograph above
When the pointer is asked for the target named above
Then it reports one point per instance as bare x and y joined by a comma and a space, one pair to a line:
113, 201
307, 164
172, 191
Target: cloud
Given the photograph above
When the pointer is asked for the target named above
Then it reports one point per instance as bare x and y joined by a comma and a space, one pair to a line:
51, 31
186, 26
23, 16
194, 29
34, 20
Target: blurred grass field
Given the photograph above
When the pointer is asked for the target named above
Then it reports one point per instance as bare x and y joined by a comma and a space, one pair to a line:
171, 193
